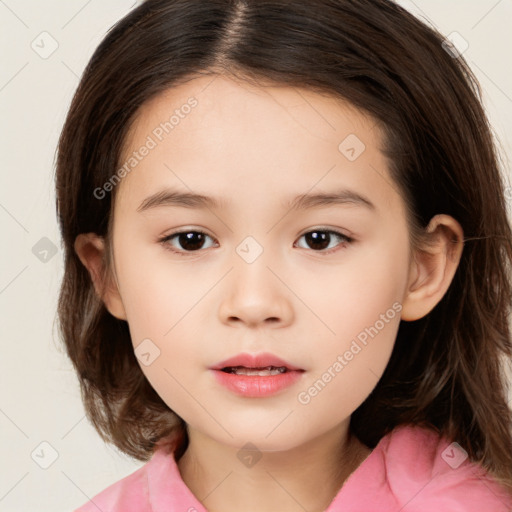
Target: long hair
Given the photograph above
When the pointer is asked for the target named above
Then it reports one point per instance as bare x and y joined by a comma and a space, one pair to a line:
446, 371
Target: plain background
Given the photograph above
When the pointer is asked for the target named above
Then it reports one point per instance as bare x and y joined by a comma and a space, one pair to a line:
39, 393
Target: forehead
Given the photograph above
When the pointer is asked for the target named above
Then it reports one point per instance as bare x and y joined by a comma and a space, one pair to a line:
220, 98
241, 139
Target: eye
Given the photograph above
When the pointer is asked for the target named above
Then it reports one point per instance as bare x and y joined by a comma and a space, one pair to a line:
321, 239
190, 241
193, 240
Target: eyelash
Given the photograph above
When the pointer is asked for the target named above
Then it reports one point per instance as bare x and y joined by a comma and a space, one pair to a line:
345, 240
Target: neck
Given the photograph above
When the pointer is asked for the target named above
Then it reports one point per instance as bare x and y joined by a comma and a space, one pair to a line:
307, 477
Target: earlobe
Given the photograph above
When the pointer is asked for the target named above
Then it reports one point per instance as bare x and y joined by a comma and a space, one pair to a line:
90, 248
433, 267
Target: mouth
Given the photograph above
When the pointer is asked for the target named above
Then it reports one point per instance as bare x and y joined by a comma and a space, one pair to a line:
262, 364
258, 376
262, 372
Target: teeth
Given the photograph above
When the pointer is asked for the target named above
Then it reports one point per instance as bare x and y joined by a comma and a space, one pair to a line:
269, 370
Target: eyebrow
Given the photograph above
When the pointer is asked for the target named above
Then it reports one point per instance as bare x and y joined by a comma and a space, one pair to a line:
169, 197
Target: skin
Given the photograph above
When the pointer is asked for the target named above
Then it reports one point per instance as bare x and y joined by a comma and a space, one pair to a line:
256, 147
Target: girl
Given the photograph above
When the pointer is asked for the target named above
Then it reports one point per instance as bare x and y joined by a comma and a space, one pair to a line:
287, 261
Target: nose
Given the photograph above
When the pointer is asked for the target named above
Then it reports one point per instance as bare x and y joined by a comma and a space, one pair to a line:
255, 294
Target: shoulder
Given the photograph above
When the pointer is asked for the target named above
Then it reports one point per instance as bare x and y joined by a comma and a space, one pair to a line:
425, 470
155, 486
129, 494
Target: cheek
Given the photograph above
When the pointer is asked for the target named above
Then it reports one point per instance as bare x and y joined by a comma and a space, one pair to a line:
163, 323
156, 292
352, 294
164, 307
359, 308
349, 367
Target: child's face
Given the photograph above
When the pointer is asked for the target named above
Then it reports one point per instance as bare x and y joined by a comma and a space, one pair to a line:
257, 284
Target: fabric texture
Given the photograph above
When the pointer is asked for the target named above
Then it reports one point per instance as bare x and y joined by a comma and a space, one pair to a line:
411, 469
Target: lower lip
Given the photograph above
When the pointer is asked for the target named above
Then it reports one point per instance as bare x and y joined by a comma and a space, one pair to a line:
256, 385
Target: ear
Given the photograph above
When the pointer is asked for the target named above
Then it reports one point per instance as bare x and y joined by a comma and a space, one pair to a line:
433, 267
90, 248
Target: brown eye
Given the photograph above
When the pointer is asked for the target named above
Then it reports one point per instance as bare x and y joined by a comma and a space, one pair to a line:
321, 239
187, 241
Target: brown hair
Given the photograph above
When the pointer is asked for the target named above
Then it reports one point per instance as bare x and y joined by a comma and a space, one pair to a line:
445, 371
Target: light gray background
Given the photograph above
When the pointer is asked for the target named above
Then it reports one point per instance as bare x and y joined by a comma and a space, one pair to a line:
39, 394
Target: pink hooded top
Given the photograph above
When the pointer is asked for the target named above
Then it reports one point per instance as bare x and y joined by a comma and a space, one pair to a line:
411, 469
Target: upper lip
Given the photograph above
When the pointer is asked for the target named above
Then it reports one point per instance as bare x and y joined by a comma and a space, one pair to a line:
255, 361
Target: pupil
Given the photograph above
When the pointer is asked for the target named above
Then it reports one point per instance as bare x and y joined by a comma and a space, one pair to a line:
187, 240
318, 237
